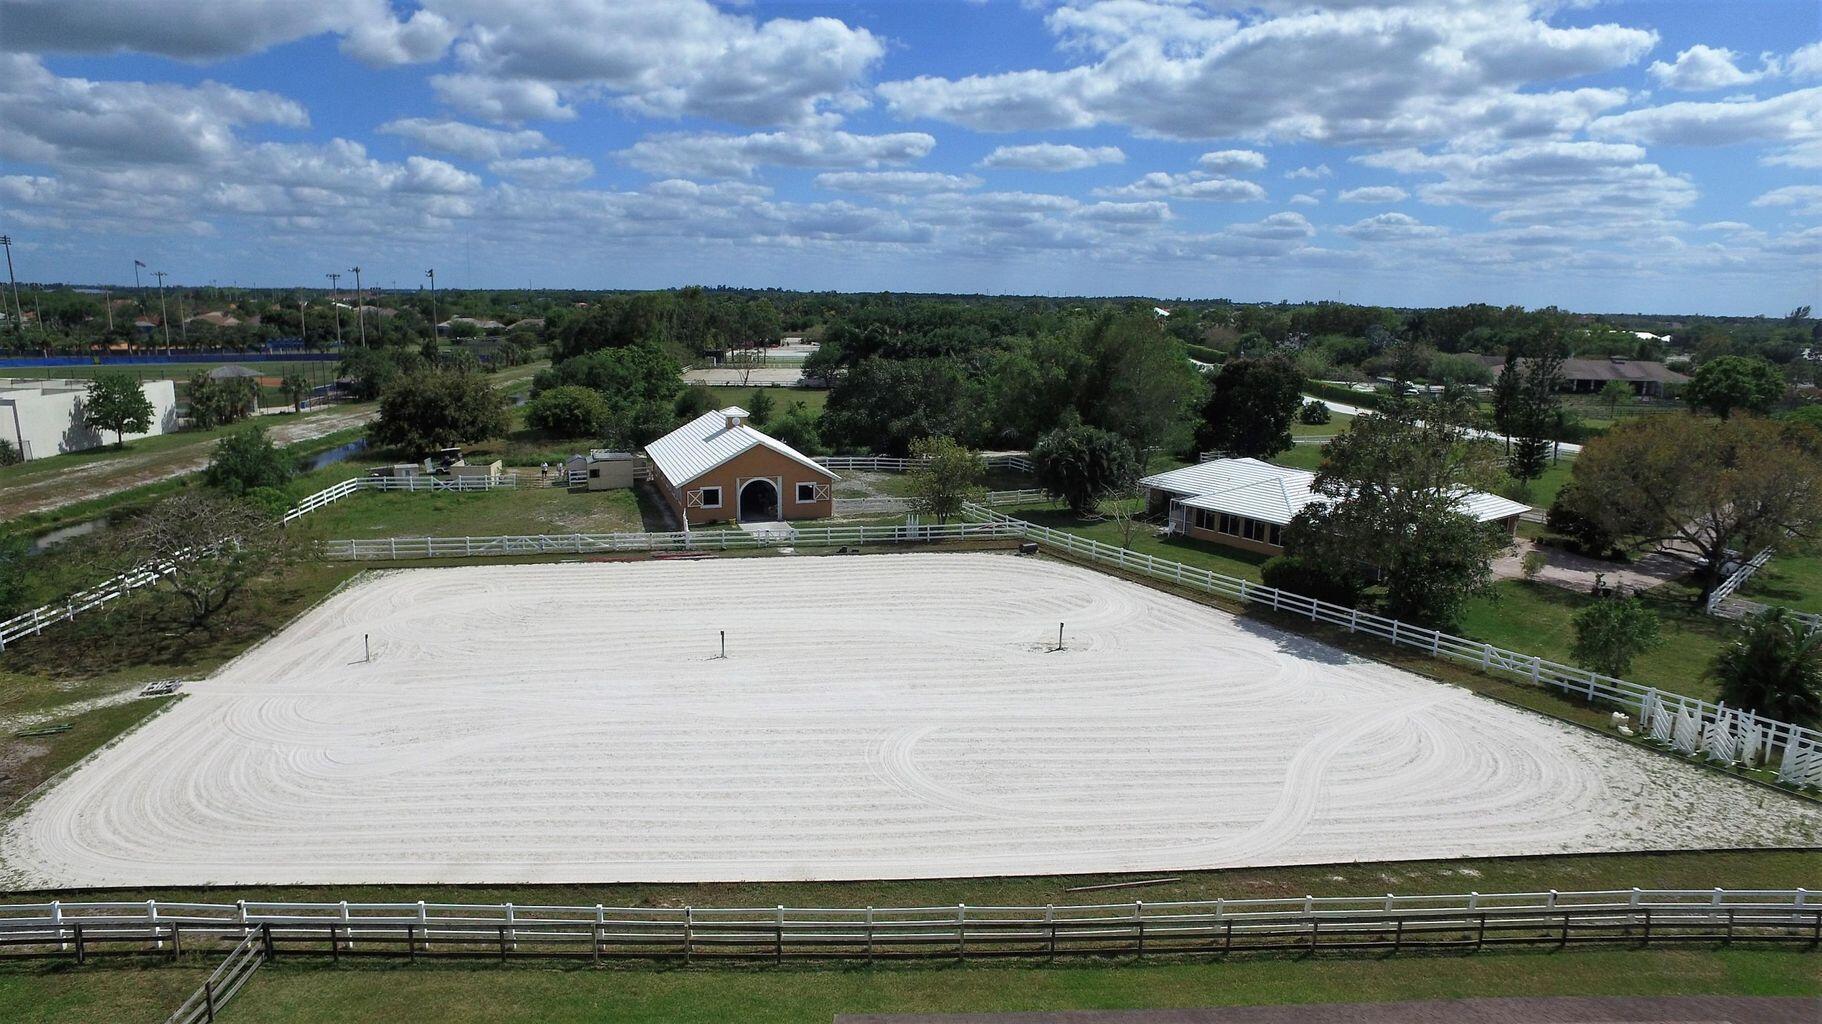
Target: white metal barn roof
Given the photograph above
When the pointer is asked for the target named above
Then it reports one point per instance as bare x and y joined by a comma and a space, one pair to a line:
709, 440
1275, 494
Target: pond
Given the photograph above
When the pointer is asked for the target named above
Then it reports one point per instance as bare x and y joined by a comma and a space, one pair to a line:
331, 456
64, 534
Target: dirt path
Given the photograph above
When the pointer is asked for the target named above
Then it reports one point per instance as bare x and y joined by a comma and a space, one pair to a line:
99, 479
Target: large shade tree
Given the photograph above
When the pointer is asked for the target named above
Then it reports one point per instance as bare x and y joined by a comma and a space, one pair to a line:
116, 402
436, 408
1702, 490
1730, 383
1249, 412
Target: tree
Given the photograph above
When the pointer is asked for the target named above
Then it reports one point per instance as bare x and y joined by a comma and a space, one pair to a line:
9, 453
1079, 465
216, 546
798, 428
369, 371
1611, 632
435, 408
1728, 383
116, 402
883, 405
1249, 412
568, 411
215, 403
759, 407
1614, 394
296, 388
640, 385
1394, 484
1314, 414
1698, 490
247, 459
1775, 669
947, 476
1525, 407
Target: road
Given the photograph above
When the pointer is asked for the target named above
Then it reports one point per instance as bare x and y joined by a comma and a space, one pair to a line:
1564, 448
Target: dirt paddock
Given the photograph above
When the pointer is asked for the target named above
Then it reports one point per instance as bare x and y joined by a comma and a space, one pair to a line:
899, 715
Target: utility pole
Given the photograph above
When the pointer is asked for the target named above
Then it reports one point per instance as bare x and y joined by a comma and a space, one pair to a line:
107, 303
183, 322
303, 326
360, 305
335, 307
6, 242
161, 275
140, 289
432, 274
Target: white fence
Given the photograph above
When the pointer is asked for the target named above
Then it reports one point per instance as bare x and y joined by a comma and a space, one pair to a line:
333, 494
1800, 763
389, 548
223, 983
33, 622
861, 506
1722, 601
1380, 921
1013, 461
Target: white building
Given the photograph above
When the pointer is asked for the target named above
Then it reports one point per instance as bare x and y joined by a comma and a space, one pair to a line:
46, 417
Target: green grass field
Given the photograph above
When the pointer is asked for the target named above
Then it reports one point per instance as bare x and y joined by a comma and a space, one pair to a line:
814, 399
1536, 618
528, 509
1794, 581
310, 992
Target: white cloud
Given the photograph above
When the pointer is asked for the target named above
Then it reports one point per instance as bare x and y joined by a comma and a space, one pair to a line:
1578, 181
1232, 161
896, 183
1050, 156
499, 99
1803, 200
1342, 76
1304, 199
1285, 225
221, 29
738, 156
1151, 213
466, 140
1315, 173
1805, 61
1193, 185
658, 58
1374, 194
1388, 227
69, 122
1701, 68
544, 170
1793, 119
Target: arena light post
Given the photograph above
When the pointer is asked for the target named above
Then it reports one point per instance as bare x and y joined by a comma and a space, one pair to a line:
360, 304
432, 274
6, 241
335, 307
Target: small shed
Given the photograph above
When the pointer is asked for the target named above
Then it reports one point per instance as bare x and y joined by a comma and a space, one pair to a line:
609, 470
477, 471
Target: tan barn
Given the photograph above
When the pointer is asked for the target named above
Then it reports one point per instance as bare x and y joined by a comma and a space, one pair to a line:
716, 468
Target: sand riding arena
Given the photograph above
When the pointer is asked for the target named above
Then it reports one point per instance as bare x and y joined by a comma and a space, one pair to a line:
901, 715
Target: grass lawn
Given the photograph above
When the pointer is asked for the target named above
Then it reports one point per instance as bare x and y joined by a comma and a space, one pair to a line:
813, 399
1794, 581
302, 992
527, 509
1301, 456
1338, 423
1145, 541
1535, 618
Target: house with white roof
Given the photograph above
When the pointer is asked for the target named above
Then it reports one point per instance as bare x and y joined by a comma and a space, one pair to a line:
1246, 503
717, 468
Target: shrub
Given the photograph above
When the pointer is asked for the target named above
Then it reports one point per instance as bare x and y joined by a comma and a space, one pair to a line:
270, 501
9, 454
1584, 534
1532, 564
1313, 414
759, 407
1774, 669
1610, 633
1080, 465
1288, 572
247, 460
567, 411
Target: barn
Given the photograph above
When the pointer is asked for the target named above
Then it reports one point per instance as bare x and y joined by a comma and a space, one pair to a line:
717, 468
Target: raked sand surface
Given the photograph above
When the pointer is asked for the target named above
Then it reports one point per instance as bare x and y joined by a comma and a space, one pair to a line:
882, 716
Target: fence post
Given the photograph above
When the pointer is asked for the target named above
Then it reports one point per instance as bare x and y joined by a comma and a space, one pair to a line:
961, 931
81, 958
265, 933
1050, 918
208, 1000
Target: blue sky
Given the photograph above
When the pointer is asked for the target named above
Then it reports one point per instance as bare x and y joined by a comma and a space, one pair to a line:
1602, 156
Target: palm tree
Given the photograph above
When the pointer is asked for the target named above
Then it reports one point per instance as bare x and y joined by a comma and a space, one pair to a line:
1775, 669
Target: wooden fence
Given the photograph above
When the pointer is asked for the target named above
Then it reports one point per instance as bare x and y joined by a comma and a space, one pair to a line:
1395, 923
1718, 732
226, 980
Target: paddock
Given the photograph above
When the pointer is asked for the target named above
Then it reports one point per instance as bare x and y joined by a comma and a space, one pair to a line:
886, 716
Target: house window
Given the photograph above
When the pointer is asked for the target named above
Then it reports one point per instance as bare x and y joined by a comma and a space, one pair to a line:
1205, 520
711, 497
1230, 524
806, 493
1277, 540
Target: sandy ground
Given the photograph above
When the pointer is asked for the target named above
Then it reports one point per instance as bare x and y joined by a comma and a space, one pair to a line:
759, 376
108, 476
879, 716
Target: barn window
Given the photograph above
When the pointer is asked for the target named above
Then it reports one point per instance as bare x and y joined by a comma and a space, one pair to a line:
711, 497
806, 493
594, 473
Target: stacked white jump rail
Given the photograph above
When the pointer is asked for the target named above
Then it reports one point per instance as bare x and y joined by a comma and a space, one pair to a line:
1386, 921
33, 622
1794, 752
333, 494
390, 548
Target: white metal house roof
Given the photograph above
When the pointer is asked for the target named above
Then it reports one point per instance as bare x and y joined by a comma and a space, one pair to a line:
1274, 494
707, 441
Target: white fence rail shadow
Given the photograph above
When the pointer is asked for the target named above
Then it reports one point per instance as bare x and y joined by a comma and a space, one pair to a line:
1388, 921
1801, 748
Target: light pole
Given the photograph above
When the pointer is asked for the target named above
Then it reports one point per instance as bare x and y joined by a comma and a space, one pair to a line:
161, 275
335, 307
139, 289
360, 305
432, 274
303, 326
6, 241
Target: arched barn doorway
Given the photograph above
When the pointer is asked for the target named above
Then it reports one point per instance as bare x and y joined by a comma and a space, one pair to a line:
759, 502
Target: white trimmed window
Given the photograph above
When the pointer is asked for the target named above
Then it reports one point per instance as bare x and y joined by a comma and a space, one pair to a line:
806, 493
711, 497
